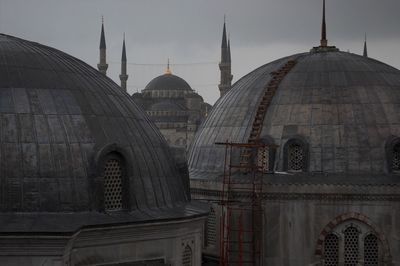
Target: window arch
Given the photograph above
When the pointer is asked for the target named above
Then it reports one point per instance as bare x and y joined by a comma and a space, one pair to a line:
211, 229
351, 239
295, 155
266, 155
393, 154
113, 182
351, 245
371, 250
112, 185
187, 256
331, 250
396, 158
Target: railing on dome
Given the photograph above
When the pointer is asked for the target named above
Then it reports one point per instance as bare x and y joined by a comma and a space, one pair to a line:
241, 205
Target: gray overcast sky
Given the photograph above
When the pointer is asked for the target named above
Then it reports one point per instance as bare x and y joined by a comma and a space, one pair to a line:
189, 31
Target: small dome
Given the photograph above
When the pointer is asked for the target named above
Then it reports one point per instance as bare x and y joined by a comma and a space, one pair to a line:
345, 107
60, 120
168, 82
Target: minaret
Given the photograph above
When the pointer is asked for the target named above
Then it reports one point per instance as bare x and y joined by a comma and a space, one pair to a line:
365, 53
324, 41
102, 66
123, 77
225, 64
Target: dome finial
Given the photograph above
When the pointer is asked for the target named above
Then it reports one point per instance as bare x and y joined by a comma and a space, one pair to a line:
168, 70
324, 41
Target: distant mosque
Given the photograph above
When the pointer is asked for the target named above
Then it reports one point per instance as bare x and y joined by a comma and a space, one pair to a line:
169, 100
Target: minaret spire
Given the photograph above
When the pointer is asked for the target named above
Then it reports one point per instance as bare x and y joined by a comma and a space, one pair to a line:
324, 41
124, 76
102, 65
365, 53
225, 64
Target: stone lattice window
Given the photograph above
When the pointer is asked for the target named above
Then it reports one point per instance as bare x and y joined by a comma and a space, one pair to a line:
371, 250
351, 246
295, 157
113, 185
331, 250
396, 158
187, 256
263, 159
211, 237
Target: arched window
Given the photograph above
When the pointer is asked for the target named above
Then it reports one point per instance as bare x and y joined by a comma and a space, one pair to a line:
187, 256
113, 183
353, 243
263, 159
331, 250
351, 240
266, 155
295, 155
211, 229
396, 158
371, 250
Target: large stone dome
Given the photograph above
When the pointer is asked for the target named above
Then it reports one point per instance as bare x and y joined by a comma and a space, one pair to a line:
168, 82
345, 107
59, 119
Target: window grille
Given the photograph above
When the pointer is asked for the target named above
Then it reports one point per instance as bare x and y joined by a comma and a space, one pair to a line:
396, 158
187, 256
112, 185
295, 157
211, 229
263, 159
331, 250
371, 250
351, 246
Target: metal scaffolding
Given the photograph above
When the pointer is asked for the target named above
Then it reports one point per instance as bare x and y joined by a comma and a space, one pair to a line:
241, 206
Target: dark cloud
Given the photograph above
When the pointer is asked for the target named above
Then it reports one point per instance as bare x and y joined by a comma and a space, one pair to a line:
189, 31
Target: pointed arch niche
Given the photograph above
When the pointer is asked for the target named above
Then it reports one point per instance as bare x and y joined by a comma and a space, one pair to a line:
350, 239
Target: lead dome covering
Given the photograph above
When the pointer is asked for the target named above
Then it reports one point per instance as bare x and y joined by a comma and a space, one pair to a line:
343, 105
59, 116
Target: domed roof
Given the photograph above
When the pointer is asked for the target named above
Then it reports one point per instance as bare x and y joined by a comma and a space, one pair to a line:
60, 118
168, 82
343, 105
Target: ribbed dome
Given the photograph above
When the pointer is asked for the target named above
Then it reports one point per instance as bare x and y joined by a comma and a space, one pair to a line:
343, 105
168, 82
59, 117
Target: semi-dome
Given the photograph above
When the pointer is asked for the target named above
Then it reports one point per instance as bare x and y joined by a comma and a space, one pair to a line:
343, 107
168, 82
61, 121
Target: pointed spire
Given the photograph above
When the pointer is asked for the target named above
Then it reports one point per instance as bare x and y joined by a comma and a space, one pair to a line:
123, 59
224, 44
102, 37
168, 70
225, 64
365, 53
123, 76
324, 41
102, 65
